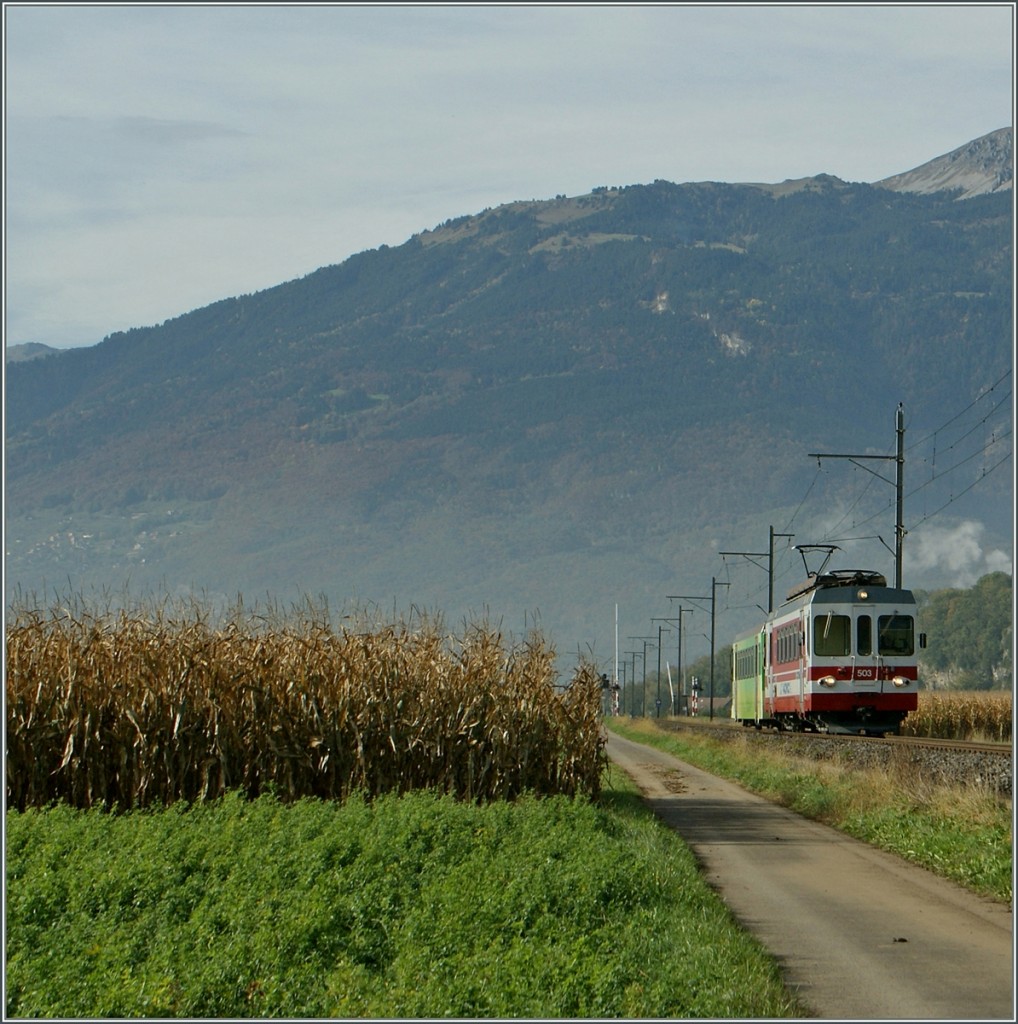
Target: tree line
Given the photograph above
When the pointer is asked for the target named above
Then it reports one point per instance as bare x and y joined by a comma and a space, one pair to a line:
970, 634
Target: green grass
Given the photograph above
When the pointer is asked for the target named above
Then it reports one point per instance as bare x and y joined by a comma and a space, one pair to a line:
413, 906
960, 833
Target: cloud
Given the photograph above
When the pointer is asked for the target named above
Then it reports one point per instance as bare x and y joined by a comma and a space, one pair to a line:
999, 561
336, 128
956, 552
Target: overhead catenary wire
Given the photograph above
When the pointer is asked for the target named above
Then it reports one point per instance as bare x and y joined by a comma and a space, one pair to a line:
955, 497
988, 448
975, 401
961, 462
812, 484
944, 441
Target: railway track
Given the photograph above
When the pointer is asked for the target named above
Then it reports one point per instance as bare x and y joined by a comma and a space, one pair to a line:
985, 765
963, 746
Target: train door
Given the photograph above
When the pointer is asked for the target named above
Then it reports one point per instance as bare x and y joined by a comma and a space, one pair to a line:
770, 685
866, 657
802, 641
761, 684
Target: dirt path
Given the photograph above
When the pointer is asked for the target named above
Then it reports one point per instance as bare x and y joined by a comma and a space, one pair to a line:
859, 933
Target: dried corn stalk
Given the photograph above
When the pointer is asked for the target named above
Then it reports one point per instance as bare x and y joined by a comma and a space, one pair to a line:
134, 709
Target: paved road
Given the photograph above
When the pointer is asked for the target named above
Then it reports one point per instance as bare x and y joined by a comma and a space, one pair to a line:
859, 934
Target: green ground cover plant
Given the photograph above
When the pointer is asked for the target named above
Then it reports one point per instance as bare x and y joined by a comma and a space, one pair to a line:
405, 906
964, 834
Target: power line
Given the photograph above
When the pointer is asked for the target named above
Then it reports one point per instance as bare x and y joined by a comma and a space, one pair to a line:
978, 424
968, 458
816, 475
955, 497
961, 462
862, 494
899, 475
998, 435
957, 416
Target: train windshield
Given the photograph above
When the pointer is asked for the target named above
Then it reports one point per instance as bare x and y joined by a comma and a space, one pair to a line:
896, 635
832, 635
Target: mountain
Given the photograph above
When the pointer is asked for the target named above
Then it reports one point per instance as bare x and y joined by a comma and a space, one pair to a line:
985, 165
536, 412
29, 350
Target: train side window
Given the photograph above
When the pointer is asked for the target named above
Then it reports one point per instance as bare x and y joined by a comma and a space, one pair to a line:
788, 643
864, 635
896, 635
832, 635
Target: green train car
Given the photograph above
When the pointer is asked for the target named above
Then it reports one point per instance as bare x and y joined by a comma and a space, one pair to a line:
749, 677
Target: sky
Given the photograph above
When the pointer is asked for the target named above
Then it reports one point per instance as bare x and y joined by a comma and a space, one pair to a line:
162, 157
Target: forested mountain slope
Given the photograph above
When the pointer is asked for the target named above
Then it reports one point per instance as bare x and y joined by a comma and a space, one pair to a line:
539, 410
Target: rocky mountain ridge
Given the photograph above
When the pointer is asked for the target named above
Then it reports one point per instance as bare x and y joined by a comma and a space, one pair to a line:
983, 166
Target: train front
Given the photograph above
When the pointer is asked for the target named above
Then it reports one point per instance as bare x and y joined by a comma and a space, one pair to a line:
861, 656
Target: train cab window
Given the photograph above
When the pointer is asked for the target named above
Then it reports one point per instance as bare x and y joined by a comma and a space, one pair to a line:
896, 635
864, 635
832, 635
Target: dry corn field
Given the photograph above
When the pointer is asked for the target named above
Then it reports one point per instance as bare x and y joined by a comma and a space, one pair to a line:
131, 710
959, 715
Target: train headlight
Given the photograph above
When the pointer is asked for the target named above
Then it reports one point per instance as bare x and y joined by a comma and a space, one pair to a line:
863, 594
827, 680
900, 681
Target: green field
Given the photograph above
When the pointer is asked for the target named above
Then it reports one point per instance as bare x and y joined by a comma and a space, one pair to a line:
406, 906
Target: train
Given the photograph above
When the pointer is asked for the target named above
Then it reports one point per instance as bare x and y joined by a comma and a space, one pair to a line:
839, 656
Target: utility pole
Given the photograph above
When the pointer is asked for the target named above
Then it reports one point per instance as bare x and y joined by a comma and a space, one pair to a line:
714, 584
682, 672
660, 629
769, 555
643, 698
616, 680
675, 703
899, 485
632, 686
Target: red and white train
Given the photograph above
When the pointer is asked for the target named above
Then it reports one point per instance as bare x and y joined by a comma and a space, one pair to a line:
838, 656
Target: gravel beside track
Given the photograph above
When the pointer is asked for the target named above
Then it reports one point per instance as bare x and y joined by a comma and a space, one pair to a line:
949, 764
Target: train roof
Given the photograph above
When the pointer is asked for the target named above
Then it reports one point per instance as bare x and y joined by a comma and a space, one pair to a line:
838, 578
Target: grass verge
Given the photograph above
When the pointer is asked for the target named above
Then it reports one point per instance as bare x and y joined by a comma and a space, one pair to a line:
961, 833
412, 906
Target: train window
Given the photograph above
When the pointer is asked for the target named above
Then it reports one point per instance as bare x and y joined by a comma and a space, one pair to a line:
864, 635
746, 664
832, 635
787, 643
896, 635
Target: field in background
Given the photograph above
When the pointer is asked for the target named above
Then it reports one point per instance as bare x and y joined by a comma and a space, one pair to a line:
960, 715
